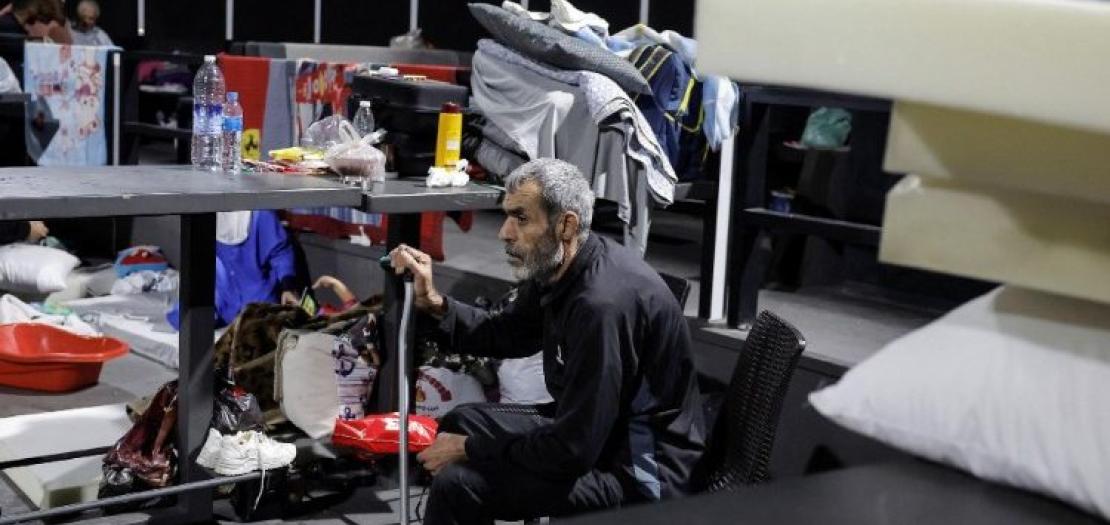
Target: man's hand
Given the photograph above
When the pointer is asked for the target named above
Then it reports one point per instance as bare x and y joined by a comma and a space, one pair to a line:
448, 448
38, 231
420, 264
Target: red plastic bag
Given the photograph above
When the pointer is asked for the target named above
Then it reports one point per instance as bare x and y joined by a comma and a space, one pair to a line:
380, 433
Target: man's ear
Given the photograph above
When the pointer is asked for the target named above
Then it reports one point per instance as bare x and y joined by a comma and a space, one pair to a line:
570, 226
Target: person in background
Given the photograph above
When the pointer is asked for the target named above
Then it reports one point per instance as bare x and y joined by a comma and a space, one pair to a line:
19, 231
40, 19
84, 29
255, 263
626, 424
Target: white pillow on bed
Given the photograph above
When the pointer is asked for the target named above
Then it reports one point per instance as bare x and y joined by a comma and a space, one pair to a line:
1013, 387
34, 269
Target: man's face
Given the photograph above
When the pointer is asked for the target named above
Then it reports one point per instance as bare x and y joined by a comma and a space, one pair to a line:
530, 239
86, 16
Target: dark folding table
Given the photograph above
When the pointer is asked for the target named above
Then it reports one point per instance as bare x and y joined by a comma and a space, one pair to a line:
907, 492
47, 193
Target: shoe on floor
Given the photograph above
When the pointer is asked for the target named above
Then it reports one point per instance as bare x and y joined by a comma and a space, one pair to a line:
249, 451
210, 452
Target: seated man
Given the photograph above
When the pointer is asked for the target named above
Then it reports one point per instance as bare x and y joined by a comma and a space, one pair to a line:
626, 423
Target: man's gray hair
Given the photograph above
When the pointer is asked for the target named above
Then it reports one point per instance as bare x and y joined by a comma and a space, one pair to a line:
562, 188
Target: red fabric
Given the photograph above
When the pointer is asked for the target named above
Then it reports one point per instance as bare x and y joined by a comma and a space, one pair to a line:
250, 76
380, 434
319, 89
328, 309
450, 74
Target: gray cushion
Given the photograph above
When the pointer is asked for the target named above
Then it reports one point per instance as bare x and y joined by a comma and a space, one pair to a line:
545, 44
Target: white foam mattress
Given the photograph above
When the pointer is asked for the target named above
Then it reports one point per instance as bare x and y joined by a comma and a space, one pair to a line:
1036, 241
977, 148
61, 483
1043, 60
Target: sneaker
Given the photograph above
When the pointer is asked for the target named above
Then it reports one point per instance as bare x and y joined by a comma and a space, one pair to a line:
210, 452
249, 451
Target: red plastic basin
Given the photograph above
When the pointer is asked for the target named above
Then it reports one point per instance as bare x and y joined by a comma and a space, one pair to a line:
49, 359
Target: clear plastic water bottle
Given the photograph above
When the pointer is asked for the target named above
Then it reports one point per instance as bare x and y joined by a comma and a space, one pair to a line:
233, 134
364, 119
208, 98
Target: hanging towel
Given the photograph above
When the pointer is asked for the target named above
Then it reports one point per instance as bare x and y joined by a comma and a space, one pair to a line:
250, 77
265, 92
320, 89
65, 117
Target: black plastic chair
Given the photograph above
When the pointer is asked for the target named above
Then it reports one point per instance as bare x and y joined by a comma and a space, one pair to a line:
679, 287
741, 441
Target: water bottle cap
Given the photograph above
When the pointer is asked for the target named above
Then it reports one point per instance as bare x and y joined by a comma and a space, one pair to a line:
233, 96
365, 104
209, 59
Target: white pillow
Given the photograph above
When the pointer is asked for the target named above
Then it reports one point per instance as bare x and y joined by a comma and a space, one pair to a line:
1013, 387
34, 269
305, 382
521, 381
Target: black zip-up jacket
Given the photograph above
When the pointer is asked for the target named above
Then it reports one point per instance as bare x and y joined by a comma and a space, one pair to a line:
617, 361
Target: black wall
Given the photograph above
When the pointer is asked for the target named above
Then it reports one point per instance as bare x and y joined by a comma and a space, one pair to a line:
364, 22
274, 20
198, 25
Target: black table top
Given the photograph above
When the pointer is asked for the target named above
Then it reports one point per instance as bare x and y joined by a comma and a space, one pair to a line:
893, 493
44, 193
413, 196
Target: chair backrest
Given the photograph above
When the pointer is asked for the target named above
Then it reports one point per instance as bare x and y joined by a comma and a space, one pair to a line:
740, 447
679, 287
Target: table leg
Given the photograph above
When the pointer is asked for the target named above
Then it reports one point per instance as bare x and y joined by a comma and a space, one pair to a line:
749, 192
195, 375
705, 269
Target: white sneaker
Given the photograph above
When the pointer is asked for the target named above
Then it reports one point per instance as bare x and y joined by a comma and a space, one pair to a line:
249, 451
210, 452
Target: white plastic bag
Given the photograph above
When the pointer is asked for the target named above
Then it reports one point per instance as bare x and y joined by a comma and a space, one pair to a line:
440, 390
345, 151
522, 381
357, 159
329, 131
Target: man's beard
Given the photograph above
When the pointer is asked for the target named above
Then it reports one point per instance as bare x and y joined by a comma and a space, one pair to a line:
540, 263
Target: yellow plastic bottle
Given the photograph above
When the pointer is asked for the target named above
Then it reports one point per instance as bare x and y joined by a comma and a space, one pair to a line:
449, 137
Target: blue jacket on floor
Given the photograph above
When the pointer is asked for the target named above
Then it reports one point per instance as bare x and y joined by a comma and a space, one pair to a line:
255, 270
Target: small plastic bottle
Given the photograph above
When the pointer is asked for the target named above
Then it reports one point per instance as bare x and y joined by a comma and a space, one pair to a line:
233, 134
364, 119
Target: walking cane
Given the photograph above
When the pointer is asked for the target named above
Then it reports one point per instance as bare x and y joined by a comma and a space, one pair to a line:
403, 387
